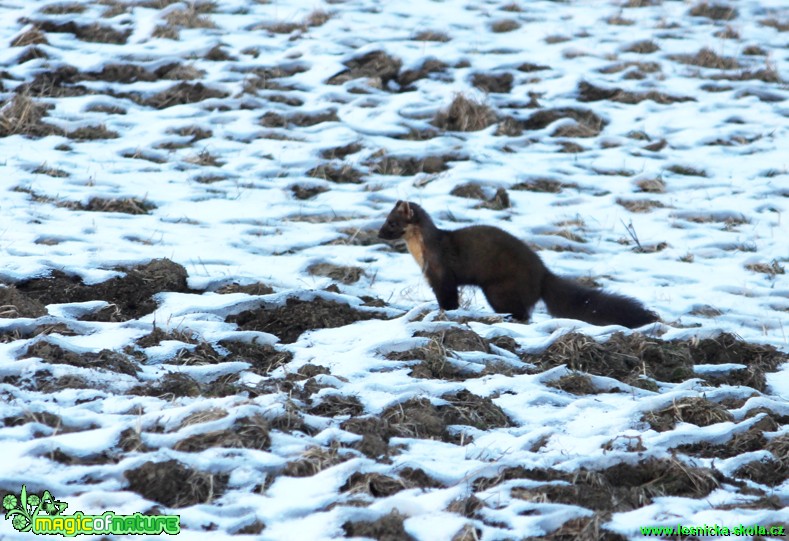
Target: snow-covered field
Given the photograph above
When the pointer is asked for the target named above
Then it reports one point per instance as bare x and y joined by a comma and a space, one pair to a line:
637, 144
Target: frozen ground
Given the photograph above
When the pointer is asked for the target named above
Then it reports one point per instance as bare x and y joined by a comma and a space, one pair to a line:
284, 374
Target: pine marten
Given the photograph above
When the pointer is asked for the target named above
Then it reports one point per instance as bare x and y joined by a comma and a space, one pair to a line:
510, 274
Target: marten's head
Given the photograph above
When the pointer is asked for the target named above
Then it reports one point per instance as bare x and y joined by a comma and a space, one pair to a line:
403, 214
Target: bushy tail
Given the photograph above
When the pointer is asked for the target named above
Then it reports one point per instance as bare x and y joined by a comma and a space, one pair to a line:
566, 298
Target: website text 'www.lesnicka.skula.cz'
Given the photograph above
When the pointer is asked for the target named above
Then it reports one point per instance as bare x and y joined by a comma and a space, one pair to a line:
715, 530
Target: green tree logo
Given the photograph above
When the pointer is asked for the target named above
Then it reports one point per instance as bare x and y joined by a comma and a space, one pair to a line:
23, 509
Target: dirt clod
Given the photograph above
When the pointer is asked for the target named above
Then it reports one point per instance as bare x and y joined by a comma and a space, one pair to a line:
174, 484
387, 528
717, 12
182, 93
624, 487
579, 384
171, 385
132, 293
376, 64
335, 405
588, 92
14, 303
694, 410
409, 166
466, 408
340, 174
290, 321
93, 32
246, 433
587, 123
493, 82
263, 357
374, 484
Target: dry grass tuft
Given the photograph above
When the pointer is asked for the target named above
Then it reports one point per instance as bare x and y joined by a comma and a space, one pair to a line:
307, 191
63, 8
377, 67
340, 273
204, 158
166, 31
641, 3
543, 185
204, 416
780, 25
582, 529
431, 35
639, 205
770, 269
92, 133
468, 409
22, 116
174, 484
317, 17
493, 82
646, 46
128, 205
504, 25
575, 383
34, 36
587, 123
652, 185
339, 174
626, 358
314, 460
93, 32
753, 50
245, 433
469, 190
686, 170
384, 164
388, 527
464, 114
192, 16
693, 410
44, 169
588, 92
373, 484
338, 405
768, 74
622, 487
182, 93
716, 12
620, 20
707, 58
296, 316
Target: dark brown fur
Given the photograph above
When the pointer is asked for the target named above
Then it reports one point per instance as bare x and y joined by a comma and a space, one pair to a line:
512, 277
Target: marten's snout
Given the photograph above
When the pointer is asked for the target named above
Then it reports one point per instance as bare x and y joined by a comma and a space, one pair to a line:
390, 231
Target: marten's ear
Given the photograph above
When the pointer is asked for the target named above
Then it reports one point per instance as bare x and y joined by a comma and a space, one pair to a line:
408, 211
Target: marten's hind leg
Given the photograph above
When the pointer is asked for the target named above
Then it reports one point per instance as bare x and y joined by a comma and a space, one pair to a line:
505, 298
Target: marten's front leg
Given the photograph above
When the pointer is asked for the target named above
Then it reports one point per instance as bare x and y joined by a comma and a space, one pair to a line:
446, 289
